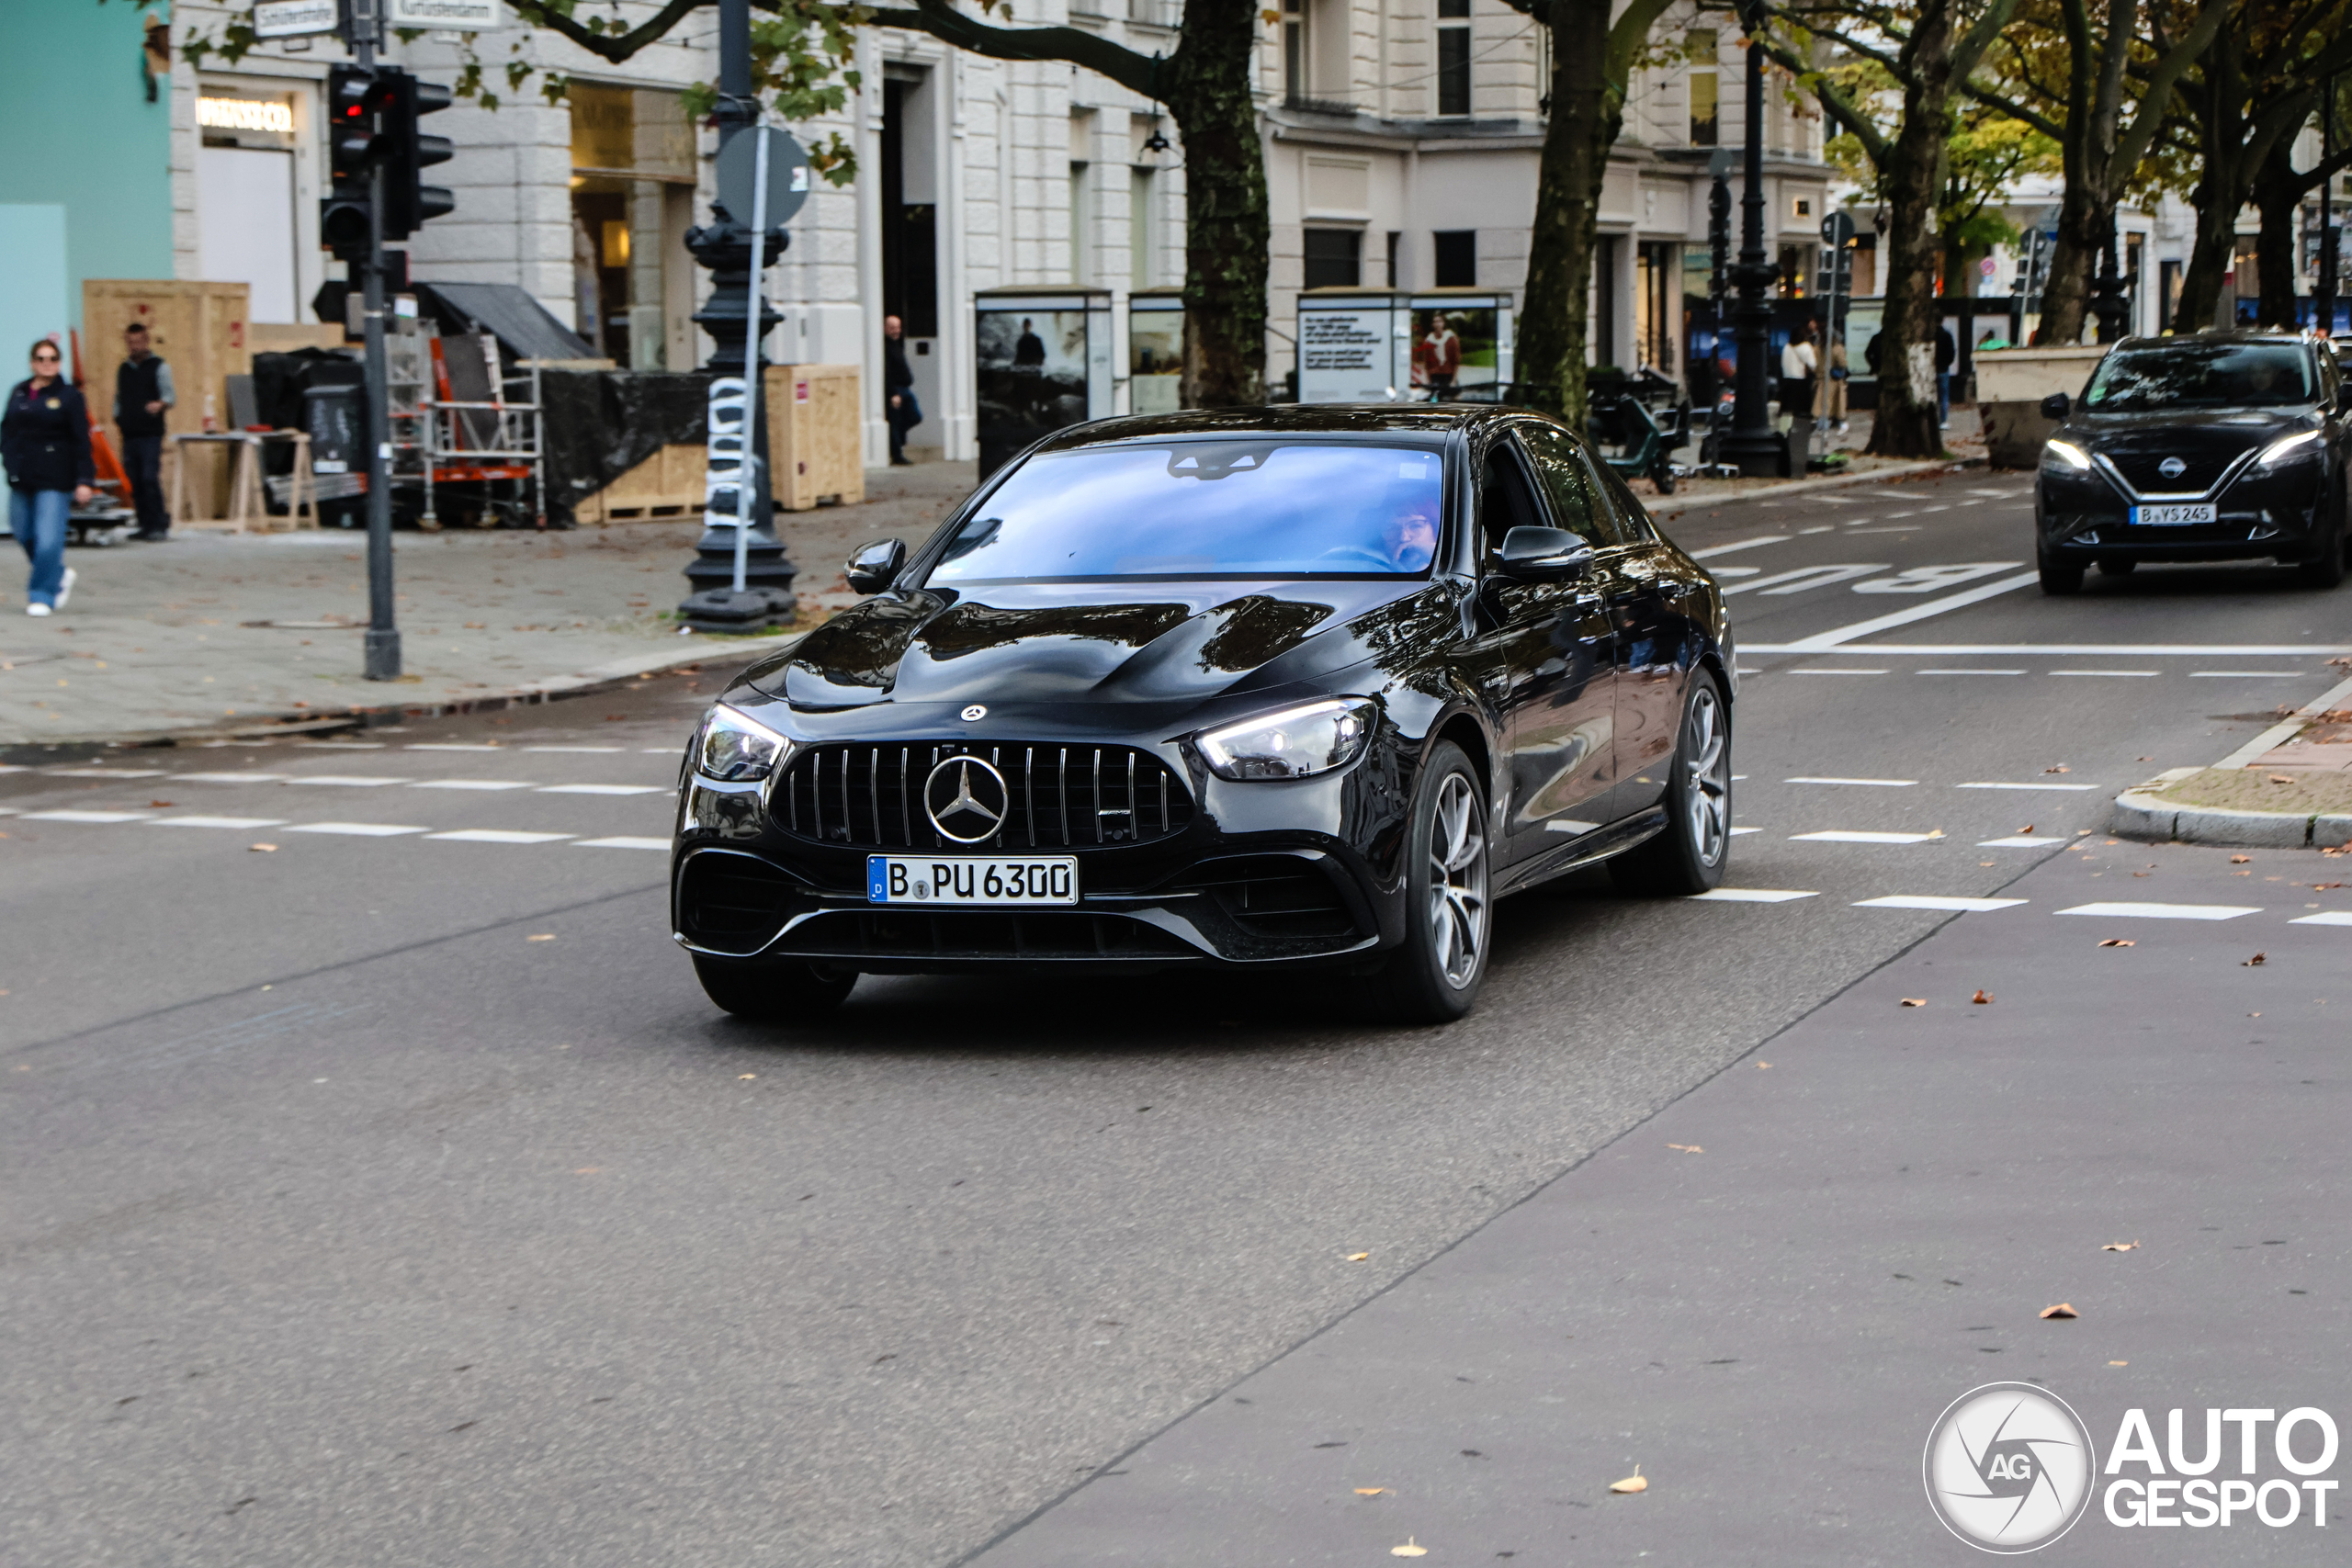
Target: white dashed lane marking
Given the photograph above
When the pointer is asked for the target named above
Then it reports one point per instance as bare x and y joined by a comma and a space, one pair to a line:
472, 784
2332, 917
1841, 671
2020, 842
107, 773
346, 781
1932, 901
2165, 911
622, 843
87, 816
1845, 836
1987, 784
606, 789
357, 829
1968, 671
1879, 784
234, 822
497, 836
1750, 896
2109, 674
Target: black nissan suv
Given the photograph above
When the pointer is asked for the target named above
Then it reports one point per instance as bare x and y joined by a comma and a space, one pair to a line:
2215, 446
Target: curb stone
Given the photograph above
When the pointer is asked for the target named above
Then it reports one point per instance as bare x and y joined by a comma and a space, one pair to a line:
2142, 813
1667, 508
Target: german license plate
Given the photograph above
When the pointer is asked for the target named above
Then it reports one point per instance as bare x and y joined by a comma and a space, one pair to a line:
2173, 515
995, 881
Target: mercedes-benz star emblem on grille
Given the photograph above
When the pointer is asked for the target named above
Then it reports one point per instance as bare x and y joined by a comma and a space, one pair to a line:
965, 800
975, 713
2172, 468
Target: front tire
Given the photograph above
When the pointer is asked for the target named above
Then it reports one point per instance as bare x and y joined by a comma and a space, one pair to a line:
1435, 976
2059, 579
1690, 855
775, 992
2327, 570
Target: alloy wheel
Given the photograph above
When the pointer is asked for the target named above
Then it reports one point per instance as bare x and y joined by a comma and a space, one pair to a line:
1707, 762
1458, 882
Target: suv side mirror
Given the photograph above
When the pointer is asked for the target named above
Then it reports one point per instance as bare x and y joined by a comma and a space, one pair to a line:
1544, 554
874, 565
2055, 406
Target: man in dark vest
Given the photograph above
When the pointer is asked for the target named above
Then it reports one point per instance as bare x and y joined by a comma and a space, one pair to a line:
142, 397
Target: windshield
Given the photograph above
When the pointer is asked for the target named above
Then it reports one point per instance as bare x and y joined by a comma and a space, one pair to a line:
2189, 374
1257, 507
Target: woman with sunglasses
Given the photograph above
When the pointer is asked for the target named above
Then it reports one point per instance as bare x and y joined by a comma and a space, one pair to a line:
45, 446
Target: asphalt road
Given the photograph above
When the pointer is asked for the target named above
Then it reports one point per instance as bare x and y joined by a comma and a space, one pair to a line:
396, 1197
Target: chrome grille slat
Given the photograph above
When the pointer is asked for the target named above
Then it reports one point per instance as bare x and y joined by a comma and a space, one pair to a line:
1108, 787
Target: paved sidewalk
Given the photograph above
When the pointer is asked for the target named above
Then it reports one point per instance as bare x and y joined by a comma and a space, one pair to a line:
209, 631
1763, 1296
1963, 439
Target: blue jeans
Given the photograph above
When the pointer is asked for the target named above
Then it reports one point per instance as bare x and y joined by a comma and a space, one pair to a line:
1943, 396
38, 519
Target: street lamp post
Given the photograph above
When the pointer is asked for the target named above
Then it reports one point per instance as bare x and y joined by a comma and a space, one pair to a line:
1754, 444
2108, 303
2323, 291
727, 547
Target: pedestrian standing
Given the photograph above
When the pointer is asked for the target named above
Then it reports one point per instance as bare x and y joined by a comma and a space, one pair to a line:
45, 446
1947, 352
898, 386
1798, 366
1829, 408
143, 398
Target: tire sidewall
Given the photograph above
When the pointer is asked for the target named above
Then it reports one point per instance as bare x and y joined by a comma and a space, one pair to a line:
1686, 851
1418, 987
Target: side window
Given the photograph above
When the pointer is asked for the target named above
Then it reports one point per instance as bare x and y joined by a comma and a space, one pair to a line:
1505, 500
1577, 504
1631, 520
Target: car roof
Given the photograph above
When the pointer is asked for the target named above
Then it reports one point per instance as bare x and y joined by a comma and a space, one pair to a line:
1286, 418
2235, 334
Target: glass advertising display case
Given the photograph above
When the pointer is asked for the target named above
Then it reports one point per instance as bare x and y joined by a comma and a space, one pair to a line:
1042, 364
1155, 350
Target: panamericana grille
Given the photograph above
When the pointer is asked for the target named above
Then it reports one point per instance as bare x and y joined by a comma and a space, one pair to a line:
870, 796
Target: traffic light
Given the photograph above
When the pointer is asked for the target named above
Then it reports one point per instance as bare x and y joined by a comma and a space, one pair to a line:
351, 141
409, 202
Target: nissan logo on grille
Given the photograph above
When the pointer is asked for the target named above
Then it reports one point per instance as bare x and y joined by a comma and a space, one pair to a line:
2172, 468
965, 800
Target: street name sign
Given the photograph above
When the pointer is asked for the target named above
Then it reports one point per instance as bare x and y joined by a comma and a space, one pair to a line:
456, 16
295, 18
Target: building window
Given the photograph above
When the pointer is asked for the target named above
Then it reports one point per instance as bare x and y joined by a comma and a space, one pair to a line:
1453, 57
1334, 258
1141, 231
1705, 85
1457, 258
2135, 250
1295, 58
2168, 279
1654, 269
1796, 268
1080, 215
1395, 246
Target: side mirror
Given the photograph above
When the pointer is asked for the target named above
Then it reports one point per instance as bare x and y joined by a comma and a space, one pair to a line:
2056, 406
2344, 399
1544, 554
874, 565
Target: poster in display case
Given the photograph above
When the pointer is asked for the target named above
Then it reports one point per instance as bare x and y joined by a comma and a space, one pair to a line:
1353, 346
1042, 363
1461, 343
1155, 350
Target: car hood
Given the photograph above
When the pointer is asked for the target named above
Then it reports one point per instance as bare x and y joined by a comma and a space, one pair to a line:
1096, 642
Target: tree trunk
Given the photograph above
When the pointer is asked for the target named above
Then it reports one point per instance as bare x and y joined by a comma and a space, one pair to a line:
2278, 193
1906, 423
2221, 186
1227, 228
1550, 362
2083, 213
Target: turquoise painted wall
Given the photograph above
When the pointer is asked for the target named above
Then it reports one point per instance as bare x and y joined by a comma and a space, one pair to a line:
78, 132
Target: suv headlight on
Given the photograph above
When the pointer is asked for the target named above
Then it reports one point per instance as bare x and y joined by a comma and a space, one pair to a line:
2065, 457
2287, 452
1294, 743
732, 749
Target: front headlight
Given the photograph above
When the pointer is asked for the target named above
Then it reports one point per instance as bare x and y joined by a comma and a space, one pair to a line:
733, 748
2066, 455
2291, 449
1295, 743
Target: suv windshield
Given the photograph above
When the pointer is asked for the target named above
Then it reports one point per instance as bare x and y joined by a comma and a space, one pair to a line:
1265, 507
2186, 374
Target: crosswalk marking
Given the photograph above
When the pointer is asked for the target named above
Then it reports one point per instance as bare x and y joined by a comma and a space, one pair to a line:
217, 822
497, 836
1751, 895
604, 789
356, 829
1932, 901
1850, 836
2165, 911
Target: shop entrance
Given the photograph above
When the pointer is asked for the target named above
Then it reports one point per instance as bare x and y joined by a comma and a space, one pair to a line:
632, 201
911, 241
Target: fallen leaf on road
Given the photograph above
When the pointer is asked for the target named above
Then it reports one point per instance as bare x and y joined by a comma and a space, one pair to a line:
1358, 1257
2240, 860
1915, 1001
2027, 829
2062, 1310
262, 849
162, 803
2256, 962
1637, 1481
1411, 1549
2119, 1246
1370, 1491
1935, 833
2324, 887
742, 1078
2118, 1363
588, 1170
1686, 1149
544, 936
1982, 996
2280, 778
2118, 941
2060, 768
1759, 1066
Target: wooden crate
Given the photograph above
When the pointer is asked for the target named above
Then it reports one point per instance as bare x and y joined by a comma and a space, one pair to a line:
668, 485
198, 329
814, 446
284, 337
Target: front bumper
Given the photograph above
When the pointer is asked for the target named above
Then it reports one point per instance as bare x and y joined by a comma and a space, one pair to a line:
2280, 516
1304, 872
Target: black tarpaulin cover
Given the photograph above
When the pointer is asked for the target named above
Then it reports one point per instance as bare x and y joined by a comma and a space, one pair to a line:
601, 424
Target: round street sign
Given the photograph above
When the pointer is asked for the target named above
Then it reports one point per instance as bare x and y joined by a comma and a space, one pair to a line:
787, 175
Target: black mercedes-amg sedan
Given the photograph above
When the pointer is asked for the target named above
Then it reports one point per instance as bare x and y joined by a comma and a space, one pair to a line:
2216, 446
1289, 686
